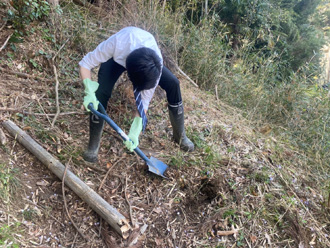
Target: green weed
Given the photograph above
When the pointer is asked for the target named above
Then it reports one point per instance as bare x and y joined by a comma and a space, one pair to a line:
196, 137
8, 182
231, 213
178, 160
241, 239
7, 238
211, 158
261, 177
29, 214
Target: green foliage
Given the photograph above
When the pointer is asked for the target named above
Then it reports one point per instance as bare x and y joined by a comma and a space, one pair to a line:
263, 58
27, 11
212, 157
304, 9
7, 238
29, 214
231, 214
204, 54
177, 160
284, 27
261, 177
8, 182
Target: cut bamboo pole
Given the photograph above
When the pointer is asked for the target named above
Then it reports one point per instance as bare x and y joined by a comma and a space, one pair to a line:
95, 201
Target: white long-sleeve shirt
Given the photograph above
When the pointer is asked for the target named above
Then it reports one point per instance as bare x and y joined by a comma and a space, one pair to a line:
118, 47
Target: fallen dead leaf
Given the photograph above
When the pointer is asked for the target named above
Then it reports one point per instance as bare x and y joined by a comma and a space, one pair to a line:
253, 238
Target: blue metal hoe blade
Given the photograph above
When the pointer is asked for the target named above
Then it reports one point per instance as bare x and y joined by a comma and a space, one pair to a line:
155, 166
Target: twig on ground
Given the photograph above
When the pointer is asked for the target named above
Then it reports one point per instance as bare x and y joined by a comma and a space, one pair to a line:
94, 167
56, 97
43, 110
129, 205
3, 25
216, 92
184, 214
60, 49
233, 231
38, 114
24, 75
100, 229
65, 204
57, 83
106, 175
246, 240
64, 113
4, 44
114, 134
74, 240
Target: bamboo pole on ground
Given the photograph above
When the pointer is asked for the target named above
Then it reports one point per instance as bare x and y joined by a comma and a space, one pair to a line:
95, 201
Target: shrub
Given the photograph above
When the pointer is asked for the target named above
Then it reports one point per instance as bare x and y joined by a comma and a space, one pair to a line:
26, 11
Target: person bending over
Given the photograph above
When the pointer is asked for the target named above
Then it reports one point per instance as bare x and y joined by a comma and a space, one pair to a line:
136, 51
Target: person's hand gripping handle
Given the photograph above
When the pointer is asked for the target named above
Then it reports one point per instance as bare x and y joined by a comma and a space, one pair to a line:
90, 97
133, 134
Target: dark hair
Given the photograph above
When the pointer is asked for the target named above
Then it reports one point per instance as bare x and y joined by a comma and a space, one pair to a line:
143, 68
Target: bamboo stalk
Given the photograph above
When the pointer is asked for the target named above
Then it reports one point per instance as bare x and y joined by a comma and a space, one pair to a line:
95, 201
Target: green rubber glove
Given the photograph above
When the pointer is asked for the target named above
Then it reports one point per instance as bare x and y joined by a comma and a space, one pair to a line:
134, 133
90, 97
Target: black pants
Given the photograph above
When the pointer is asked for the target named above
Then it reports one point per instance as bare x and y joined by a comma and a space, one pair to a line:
110, 71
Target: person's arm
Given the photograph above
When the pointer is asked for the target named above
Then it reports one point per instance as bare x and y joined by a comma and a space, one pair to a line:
90, 88
85, 73
102, 53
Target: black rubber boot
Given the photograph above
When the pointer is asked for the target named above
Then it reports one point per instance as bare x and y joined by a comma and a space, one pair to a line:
179, 134
95, 133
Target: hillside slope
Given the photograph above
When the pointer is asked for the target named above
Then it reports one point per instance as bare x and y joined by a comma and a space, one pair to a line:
241, 187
